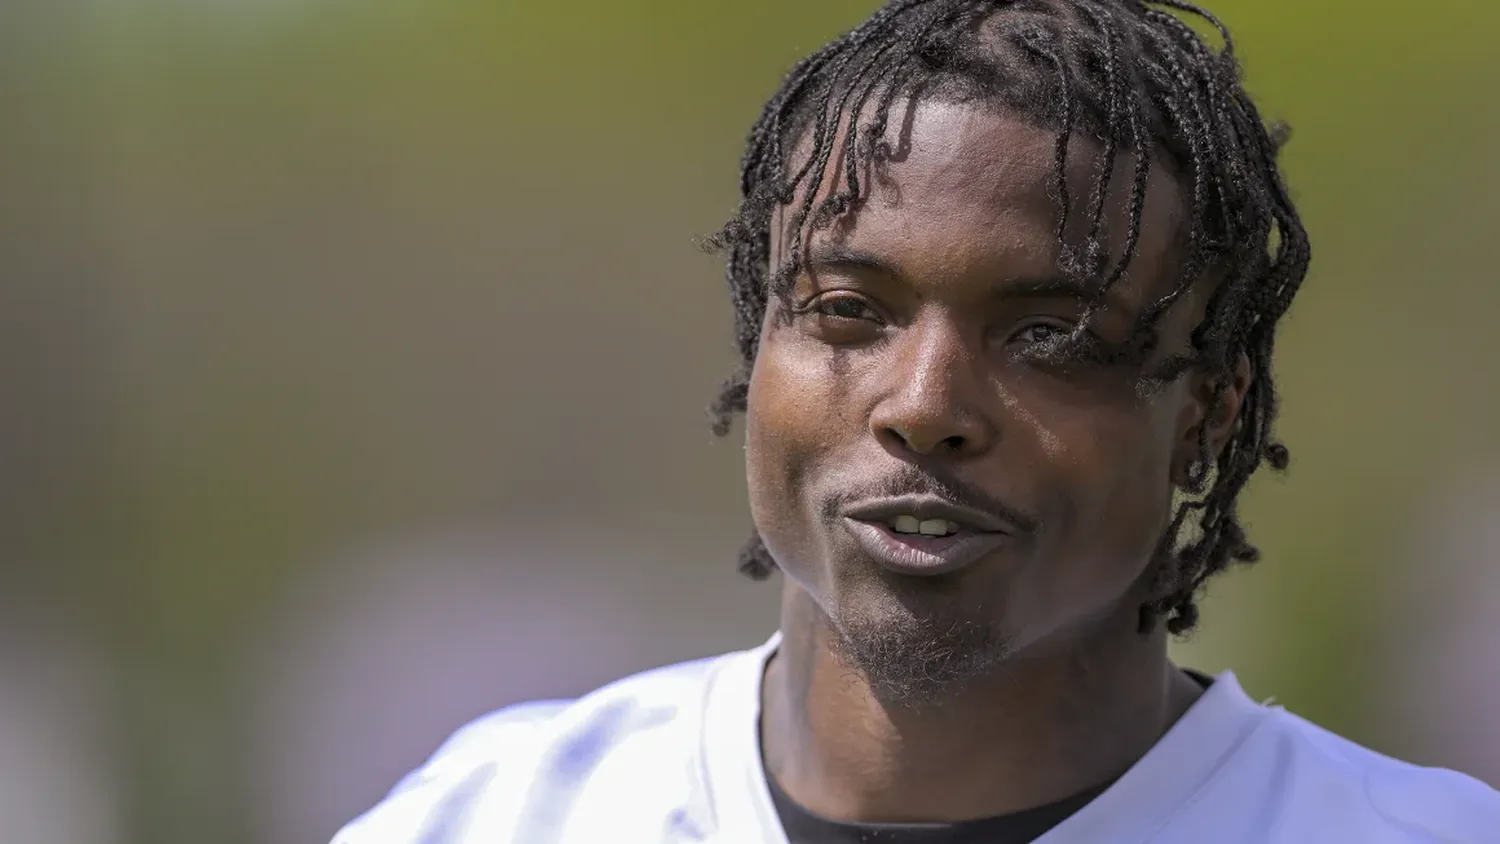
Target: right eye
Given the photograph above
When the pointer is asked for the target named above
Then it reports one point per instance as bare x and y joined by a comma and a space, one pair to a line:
841, 318
844, 307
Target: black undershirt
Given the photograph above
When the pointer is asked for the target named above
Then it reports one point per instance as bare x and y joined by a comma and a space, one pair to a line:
1024, 827
803, 827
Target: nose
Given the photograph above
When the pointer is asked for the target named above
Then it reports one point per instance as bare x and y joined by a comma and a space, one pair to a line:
934, 401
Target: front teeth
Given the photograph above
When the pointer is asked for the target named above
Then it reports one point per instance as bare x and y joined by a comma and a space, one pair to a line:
925, 527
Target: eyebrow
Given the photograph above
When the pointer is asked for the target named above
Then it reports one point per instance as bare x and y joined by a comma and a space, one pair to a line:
829, 257
824, 256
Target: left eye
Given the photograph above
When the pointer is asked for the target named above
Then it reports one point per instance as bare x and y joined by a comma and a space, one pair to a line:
1041, 332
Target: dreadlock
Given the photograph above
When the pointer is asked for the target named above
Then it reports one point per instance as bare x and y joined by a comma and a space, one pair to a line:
1133, 75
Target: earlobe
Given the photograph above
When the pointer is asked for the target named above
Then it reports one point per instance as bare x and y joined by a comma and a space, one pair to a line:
1209, 422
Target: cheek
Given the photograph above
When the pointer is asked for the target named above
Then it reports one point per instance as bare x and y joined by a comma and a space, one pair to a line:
1113, 479
1124, 475
790, 427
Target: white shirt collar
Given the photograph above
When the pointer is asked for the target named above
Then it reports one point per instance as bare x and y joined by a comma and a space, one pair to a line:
1130, 811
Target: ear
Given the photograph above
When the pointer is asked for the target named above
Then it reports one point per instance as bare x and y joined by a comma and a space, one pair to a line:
1211, 413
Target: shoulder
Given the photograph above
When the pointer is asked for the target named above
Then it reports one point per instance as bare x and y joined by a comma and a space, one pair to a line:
524, 762
1340, 784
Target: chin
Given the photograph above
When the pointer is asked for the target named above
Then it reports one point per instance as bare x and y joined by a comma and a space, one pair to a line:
914, 647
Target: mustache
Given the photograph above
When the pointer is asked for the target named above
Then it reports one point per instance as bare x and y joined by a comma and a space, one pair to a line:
912, 480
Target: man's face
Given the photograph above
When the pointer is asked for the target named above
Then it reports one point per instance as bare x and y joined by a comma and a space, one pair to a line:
945, 500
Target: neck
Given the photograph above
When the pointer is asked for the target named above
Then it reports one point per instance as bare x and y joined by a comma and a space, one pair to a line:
1054, 721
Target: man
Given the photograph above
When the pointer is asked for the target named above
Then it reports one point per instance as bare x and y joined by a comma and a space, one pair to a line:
1006, 278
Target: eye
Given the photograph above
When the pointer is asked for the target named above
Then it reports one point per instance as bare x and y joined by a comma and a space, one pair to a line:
845, 307
1041, 333
841, 318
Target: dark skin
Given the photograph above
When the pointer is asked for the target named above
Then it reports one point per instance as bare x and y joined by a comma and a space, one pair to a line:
899, 364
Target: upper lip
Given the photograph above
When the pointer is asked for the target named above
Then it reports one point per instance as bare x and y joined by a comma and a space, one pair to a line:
931, 507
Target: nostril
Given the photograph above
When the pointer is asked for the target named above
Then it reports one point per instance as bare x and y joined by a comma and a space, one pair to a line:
923, 442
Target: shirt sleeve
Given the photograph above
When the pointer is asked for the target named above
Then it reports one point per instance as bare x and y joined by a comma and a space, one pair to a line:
433, 804
1435, 805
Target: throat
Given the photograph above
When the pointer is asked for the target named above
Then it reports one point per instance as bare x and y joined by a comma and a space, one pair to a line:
1037, 731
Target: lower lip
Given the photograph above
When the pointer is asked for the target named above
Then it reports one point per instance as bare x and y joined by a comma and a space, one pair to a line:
923, 556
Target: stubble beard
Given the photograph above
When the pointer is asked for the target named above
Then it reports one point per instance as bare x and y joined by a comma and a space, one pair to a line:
917, 660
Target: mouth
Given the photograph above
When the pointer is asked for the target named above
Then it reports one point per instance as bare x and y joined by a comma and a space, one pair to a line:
926, 537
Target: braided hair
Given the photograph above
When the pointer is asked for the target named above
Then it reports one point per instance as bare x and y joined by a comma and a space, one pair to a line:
1137, 78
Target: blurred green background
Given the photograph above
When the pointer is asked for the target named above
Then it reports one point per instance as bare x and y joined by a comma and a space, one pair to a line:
355, 357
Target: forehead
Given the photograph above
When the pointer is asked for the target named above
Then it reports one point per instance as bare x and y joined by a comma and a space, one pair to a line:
969, 187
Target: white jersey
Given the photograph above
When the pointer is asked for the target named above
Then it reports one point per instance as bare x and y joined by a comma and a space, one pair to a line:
672, 756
